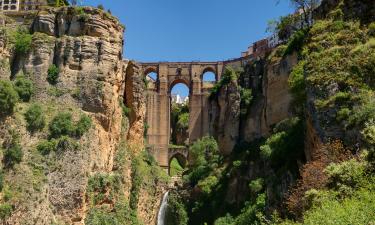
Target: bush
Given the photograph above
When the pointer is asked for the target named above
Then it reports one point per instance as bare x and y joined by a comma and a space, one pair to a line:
176, 212
183, 121
125, 110
45, 147
24, 88
368, 133
285, 146
356, 210
13, 152
35, 118
8, 97
5, 211
99, 184
208, 184
297, 84
65, 143
246, 99
83, 125
296, 42
61, 124
347, 176
22, 41
53, 74
256, 185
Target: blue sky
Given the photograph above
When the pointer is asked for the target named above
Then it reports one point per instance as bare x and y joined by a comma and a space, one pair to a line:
186, 30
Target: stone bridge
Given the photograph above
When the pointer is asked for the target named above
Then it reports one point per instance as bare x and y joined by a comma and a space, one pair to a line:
159, 102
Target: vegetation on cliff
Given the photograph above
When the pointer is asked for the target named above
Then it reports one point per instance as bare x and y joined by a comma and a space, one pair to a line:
333, 86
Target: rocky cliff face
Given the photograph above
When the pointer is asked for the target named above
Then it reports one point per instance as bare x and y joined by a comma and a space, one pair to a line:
268, 80
86, 45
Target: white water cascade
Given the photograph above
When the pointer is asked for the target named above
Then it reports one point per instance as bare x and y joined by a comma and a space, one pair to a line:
163, 209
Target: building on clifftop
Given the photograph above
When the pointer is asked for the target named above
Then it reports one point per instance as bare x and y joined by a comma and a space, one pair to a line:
21, 5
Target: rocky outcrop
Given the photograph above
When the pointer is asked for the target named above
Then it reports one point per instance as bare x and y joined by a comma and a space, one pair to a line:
135, 99
225, 111
271, 101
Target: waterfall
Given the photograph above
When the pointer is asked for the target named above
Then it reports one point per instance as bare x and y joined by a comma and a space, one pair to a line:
163, 209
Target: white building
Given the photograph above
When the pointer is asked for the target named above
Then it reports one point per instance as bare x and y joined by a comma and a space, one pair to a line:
9, 5
179, 100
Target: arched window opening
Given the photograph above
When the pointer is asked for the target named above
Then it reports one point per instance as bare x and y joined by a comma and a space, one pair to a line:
209, 77
179, 115
152, 76
150, 80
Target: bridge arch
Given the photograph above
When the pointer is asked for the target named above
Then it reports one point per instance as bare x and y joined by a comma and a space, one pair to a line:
159, 97
180, 155
179, 81
209, 74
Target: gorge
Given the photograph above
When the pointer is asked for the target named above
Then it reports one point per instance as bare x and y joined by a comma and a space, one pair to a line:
283, 136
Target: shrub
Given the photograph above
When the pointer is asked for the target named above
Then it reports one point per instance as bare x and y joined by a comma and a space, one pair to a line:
208, 184
22, 41
296, 42
343, 114
256, 185
13, 152
229, 75
45, 147
183, 121
125, 110
53, 74
285, 146
347, 176
297, 84
368, 132
61, 124
99, 184
35, 118
246, 99
176, 212
24, 88
65, 143
5, 211
356, 210
226, 220
83, 125
8, 97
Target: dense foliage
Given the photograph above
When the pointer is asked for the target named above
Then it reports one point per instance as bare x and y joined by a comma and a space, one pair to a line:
8, 97
35, 118
24, 88
53, 74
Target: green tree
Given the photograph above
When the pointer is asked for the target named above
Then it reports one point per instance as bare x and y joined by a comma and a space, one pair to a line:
35, 118
13, 153
61, 125
8, 97
53, 74
83, 125
22, 41
24, 88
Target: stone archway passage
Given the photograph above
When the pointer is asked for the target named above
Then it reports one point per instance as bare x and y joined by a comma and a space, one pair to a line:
158, 102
